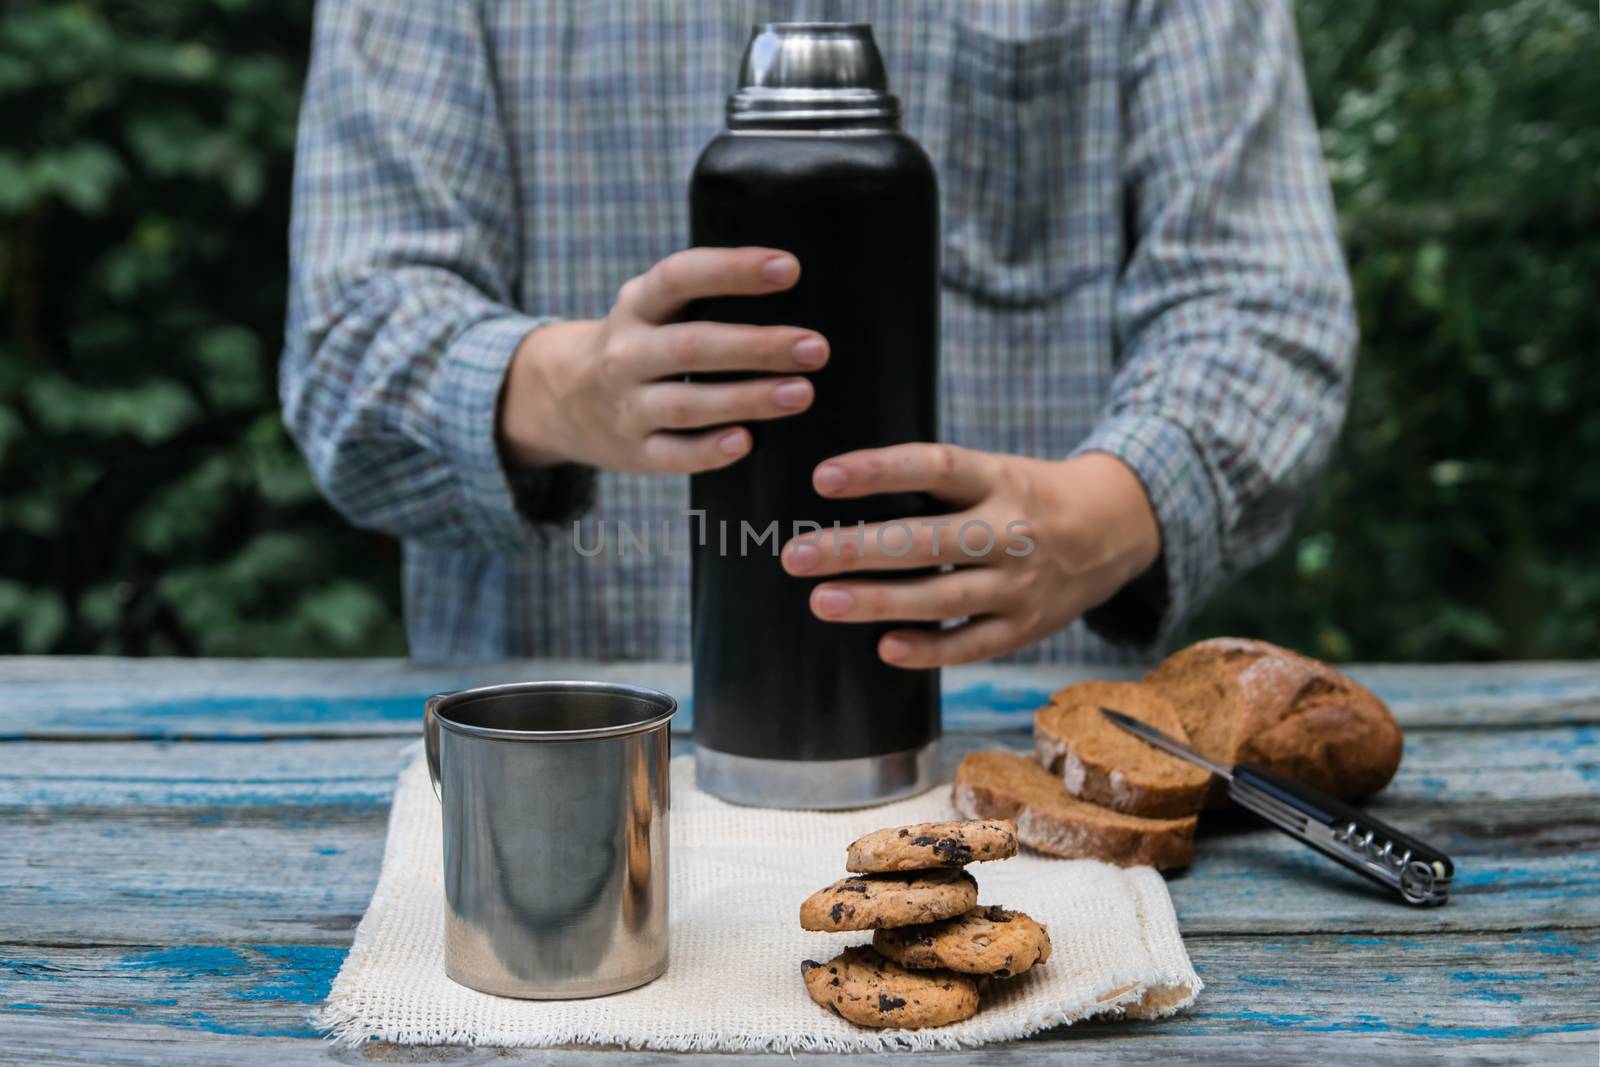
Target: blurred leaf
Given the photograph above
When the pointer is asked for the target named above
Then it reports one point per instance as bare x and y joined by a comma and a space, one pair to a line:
1427, 285
101, 605
183, 512
1313, 554
14, 74
16, 184
37, 614
281, 475
34, 513
151, 412
11, 428
1471, 626
230, 357
342, 612
82, 174
170, 142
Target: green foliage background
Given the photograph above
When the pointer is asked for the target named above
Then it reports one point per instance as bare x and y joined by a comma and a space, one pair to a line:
152, 503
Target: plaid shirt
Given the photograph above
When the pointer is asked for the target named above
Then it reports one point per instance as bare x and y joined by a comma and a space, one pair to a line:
1139, 257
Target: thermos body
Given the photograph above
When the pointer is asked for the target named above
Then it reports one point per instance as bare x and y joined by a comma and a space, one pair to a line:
790, 710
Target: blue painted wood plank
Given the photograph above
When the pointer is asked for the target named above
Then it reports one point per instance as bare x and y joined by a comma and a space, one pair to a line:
1445, 988
309, 877
382, 698
1509, 765
255, 699
284, 839
125, 1043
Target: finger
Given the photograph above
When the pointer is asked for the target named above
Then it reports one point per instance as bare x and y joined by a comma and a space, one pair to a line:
934, 597
904, 544
689, 347
658, 293
685, 453
690, 405
959, 476
982, 638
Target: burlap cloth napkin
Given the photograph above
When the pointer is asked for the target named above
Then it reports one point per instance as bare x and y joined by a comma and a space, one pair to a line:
738, 877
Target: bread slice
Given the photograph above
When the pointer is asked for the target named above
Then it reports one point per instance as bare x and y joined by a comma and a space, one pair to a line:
1100, 762
1008, 785
1246, 701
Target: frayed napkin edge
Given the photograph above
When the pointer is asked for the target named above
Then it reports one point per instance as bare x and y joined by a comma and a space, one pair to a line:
345, 1027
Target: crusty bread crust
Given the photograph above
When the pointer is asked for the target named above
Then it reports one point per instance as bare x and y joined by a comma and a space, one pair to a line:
1099, 762
1246, 701
1008, 785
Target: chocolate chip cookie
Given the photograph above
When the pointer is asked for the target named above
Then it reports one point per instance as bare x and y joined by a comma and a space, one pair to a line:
989, 940
928, 845
871, 901
861, 986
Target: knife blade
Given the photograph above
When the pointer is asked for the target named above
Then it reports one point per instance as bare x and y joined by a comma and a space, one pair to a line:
1420, 873
1149, 733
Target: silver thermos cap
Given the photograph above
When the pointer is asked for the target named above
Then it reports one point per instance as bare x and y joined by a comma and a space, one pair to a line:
808, 72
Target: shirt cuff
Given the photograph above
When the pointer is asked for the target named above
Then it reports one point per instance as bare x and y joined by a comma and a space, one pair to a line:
468, 398
1175, 479
552, 494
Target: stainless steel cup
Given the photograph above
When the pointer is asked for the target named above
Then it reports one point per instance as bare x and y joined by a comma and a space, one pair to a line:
554, 798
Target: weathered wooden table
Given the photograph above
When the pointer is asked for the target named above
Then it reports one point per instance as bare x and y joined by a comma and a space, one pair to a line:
189, 845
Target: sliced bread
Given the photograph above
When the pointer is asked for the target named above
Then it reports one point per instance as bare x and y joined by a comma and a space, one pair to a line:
1245, 701
1008, 785
1103, 763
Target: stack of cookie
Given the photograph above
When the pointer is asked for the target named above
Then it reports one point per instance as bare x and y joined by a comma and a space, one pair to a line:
933, 944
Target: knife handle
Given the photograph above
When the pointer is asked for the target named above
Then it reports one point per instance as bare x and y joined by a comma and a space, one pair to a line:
1420, 873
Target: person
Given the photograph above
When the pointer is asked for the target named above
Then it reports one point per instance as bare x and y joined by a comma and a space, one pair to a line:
1147, 326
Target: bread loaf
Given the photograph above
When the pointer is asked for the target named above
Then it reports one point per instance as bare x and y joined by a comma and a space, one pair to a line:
1006, 785
1100, 762
1245, 701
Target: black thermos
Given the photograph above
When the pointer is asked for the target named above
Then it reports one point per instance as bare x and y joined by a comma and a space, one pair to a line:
791, 711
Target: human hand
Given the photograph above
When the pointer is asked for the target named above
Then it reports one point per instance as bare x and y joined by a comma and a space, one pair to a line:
609, 392
1045, 541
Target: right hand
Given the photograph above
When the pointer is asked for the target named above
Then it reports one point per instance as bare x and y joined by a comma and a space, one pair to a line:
609, 392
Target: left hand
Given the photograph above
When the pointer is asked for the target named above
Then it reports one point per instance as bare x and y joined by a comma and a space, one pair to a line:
1087, 518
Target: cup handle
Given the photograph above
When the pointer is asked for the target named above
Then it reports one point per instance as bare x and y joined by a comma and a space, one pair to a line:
430, 738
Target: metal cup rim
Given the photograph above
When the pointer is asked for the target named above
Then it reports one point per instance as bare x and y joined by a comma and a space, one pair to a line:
811, 25
665, 704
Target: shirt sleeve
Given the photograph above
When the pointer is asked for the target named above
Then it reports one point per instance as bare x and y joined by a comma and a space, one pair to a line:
1234, 323
404, 262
